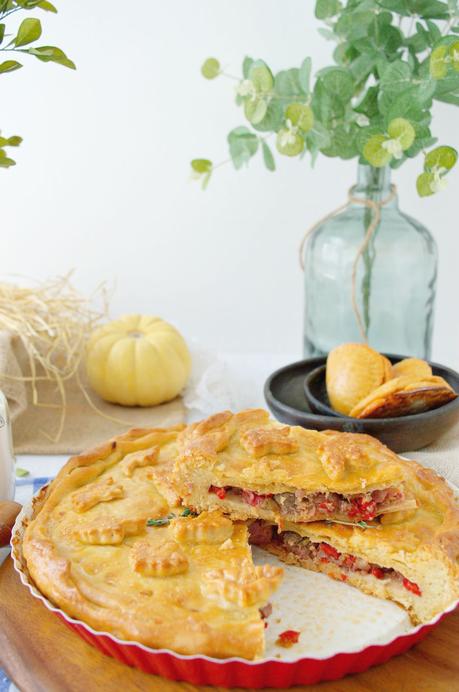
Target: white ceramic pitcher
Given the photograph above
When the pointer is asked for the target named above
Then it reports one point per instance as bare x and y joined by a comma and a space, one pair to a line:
6, 452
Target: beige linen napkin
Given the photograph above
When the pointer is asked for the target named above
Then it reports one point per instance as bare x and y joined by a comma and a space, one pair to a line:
83, 427
442, 455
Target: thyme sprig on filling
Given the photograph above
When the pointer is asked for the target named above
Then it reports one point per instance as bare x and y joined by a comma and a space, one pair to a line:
165, 521
362, 524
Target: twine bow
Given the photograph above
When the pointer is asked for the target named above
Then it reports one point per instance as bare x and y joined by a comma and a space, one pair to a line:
375, 207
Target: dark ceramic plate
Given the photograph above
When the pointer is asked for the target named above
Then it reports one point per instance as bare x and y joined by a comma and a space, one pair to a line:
284, 394
315, 391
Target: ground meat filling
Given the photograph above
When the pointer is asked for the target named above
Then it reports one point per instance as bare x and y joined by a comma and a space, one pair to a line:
262, 534
301, 506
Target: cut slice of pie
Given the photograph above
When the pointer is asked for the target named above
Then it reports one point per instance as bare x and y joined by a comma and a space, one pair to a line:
106, 547
253, 467
410, 557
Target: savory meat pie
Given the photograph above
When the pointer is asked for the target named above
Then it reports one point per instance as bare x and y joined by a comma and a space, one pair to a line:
147, 537
253, 467
107, 548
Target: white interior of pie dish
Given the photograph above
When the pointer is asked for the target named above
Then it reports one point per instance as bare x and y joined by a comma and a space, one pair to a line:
331, 616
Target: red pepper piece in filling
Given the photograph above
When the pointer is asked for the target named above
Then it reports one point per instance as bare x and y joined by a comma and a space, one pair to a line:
330, 550
349, 561
377, 572
219, 492
362, 509
288, 638
411, 586
254, 499
326, 507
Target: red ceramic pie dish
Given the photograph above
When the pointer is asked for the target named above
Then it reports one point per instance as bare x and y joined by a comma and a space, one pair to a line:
232, 672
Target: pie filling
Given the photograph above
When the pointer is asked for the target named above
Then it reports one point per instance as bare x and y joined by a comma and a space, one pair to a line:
262, 533
300, 506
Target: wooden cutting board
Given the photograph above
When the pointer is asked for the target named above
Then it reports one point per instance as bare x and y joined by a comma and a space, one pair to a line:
40, 654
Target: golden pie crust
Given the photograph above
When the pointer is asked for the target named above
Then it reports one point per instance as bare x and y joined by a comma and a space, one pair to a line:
249, 450
189, 585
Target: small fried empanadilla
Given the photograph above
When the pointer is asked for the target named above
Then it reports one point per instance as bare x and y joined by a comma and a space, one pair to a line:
404, 395
253, 467
414, 367
353, 371
410, 557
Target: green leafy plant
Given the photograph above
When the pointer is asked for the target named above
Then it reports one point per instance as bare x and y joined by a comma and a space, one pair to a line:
392, 59
19, 44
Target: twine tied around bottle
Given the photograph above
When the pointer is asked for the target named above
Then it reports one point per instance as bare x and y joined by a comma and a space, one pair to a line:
375, 207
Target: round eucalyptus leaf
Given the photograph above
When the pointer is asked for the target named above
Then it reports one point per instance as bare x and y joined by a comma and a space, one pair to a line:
273, 118
327, 8
255, 110
289, 143
424, 184
454, 55
338, 82
261, 76
402, 129
300, 115
438, 65
210, 68
375, 153
243, 144
440, 157
287, 84
201, 165
342, 143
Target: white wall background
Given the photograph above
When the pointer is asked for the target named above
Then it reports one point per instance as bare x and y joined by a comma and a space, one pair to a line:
102, 182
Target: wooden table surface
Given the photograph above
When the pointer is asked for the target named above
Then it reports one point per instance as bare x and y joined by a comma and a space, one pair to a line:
40, 654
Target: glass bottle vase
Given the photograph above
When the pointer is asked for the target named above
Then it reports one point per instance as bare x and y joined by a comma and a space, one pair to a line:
395, 280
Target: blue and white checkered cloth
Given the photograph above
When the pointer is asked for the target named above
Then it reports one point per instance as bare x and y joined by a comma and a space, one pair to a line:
25, 488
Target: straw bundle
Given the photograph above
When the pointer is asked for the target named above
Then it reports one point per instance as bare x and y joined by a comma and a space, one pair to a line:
52, 321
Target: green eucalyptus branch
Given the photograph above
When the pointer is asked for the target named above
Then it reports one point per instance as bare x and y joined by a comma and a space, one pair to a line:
243, 145
374, 103
29, 31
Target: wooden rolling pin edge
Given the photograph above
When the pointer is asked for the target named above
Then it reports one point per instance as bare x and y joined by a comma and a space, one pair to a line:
8, 513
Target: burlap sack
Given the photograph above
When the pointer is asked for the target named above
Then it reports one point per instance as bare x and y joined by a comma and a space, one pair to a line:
84, 427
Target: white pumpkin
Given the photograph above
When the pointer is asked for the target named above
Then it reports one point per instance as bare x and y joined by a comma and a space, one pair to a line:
137, 361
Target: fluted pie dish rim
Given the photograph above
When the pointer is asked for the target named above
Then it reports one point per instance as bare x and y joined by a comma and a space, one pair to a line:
15, 543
